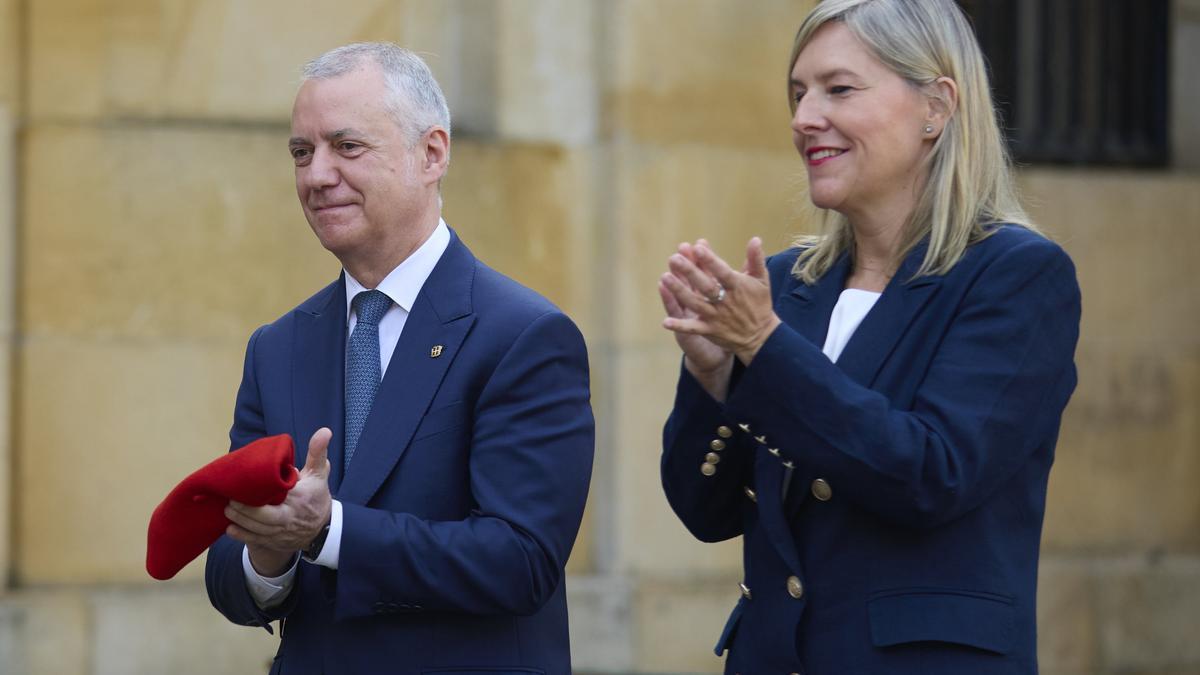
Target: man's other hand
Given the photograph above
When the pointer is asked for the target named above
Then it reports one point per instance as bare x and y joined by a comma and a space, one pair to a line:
274, 533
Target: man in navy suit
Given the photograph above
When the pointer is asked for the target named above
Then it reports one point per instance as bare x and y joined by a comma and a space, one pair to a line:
445, 410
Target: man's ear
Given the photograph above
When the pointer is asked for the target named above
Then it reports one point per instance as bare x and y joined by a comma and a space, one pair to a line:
943, 102
436, 143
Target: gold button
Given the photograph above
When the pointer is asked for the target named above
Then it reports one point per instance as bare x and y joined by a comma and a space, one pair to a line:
821, 490
795, 588
745, 591
708, 469
750, 493
717, 444
724, 431
712, 458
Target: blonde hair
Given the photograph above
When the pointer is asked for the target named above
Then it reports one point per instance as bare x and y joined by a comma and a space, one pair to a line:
970, 182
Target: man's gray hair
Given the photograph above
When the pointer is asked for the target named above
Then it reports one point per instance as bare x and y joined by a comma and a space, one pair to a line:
414, 98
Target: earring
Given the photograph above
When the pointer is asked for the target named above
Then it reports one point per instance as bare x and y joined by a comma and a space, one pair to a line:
929, 128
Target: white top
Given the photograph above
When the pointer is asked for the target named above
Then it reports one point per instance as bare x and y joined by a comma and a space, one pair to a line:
851, 308
401, 285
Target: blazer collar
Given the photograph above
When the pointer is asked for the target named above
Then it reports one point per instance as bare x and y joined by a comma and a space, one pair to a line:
808, 308
441, 317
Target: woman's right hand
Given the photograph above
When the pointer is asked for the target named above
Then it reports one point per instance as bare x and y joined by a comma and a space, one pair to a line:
710, 364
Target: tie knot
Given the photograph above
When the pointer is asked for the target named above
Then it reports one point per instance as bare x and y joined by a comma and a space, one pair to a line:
371, 306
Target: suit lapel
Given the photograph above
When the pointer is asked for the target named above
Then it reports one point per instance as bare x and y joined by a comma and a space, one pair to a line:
441, 316
317, 375
806, 309
875, 338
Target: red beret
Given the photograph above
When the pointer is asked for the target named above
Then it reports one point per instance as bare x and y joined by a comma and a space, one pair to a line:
192, 516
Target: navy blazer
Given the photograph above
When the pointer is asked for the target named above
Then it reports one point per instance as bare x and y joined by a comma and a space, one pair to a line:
891, 504
466, 490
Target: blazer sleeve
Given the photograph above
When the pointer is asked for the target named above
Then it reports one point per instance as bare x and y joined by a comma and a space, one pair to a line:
223, 574
993, 394
708, 505
530, 465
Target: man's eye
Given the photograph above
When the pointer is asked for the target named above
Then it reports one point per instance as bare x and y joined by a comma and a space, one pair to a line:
348, 146
299, 153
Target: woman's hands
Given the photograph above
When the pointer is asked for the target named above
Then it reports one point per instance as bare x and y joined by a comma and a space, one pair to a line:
717, 312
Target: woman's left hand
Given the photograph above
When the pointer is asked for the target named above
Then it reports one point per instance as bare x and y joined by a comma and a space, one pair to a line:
733, 309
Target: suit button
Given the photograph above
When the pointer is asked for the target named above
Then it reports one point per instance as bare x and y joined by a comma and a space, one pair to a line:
708, 469
724, 431
750, 493
745, 591
822, 490
712, 458
717, 444
795, 588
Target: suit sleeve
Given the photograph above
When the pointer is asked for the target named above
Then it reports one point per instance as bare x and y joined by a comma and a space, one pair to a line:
993, 394
530, 465
708, 505
224, 576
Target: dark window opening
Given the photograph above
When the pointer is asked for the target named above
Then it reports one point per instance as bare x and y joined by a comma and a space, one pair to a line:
1079, 81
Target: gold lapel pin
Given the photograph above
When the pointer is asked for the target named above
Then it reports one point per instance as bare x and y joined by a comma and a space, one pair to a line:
435, 352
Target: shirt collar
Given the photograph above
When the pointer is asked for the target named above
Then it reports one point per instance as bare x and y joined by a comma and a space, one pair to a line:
404, 282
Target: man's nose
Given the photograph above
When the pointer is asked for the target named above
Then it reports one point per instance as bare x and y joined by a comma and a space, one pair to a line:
322, 170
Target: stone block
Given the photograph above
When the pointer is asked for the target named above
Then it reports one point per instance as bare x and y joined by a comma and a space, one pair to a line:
546, 71
1113, 223
10, 61
718, 76
677, 622
649, 538
1131, 428
172, 630
105, 430
1147, 611
210, 59
601, 627
1126, 466
163, 232
44, 633
1068, 637
524, 210
8, 292
668, 194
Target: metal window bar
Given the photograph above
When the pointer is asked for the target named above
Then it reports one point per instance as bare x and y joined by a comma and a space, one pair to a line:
1079, 81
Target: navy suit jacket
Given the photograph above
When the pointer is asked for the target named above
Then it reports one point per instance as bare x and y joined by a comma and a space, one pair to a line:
466, 490
906, 538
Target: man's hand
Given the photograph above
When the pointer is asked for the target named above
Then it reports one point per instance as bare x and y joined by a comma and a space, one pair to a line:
273, 534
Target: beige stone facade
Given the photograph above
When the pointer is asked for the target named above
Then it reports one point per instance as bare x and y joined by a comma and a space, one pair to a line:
148, 224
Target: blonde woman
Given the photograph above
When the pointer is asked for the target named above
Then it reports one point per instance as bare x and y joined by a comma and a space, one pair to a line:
875, 410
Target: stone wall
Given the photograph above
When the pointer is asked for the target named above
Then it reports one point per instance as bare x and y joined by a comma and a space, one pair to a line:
148, 224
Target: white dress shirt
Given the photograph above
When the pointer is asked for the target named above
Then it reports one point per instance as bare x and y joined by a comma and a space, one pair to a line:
401, 285
851, 308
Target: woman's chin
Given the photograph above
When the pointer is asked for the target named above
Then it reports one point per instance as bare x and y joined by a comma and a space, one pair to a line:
825, 199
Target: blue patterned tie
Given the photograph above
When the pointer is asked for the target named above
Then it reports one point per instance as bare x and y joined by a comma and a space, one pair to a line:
363, 371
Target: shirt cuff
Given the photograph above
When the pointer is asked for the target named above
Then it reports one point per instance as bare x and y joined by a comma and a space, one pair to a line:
267, 591
331, 552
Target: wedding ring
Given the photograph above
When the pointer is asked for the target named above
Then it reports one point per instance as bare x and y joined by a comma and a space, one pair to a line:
718, 296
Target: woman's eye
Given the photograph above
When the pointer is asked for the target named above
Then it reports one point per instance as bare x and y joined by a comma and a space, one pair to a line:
839, 89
